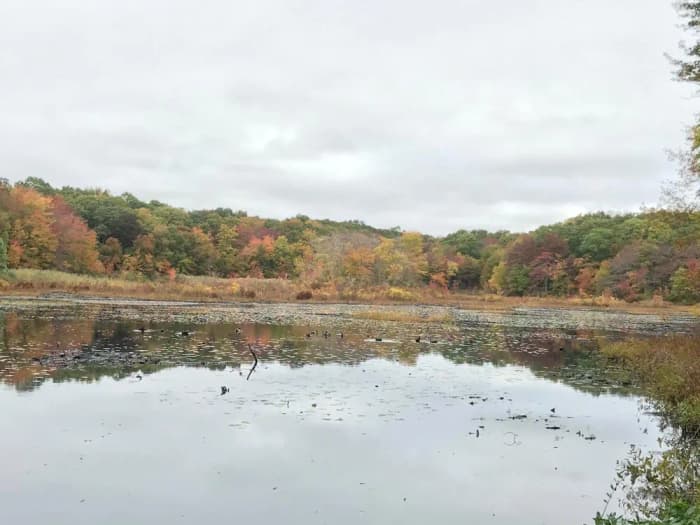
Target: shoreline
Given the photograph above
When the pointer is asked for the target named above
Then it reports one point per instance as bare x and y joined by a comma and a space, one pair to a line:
470, 302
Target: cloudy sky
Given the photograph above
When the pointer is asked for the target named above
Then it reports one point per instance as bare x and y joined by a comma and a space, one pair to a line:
429, 115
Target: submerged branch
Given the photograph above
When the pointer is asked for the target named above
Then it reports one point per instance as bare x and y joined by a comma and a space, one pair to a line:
255, 364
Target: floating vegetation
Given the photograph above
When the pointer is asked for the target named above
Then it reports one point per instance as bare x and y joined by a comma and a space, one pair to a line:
405, 316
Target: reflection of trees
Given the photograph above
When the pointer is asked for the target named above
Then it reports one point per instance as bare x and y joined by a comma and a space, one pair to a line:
71, 347
567, 356
25, 341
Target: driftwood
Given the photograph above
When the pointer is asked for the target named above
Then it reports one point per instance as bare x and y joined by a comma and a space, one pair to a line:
254, 364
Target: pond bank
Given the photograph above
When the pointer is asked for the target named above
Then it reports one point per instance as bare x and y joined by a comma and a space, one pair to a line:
662, 488
485, 303
46, 283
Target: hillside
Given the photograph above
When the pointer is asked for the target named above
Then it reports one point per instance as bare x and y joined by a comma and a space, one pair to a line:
89, 231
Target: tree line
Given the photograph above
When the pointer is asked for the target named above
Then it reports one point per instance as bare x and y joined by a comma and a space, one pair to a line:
628, 256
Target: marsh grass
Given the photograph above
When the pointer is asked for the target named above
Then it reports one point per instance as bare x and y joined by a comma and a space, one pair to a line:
189, 288
663, 488
669, 369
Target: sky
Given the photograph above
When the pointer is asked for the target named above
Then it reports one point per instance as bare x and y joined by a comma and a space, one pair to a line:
432, 116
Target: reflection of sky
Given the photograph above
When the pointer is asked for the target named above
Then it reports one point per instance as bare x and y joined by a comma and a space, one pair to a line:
171, 449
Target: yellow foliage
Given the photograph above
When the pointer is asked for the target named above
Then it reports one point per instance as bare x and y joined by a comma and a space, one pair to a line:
400, 294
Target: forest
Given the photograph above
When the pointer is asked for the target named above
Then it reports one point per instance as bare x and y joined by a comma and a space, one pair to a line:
651, 254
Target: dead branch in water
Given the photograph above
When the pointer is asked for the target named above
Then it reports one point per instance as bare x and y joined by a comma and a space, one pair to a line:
254, 364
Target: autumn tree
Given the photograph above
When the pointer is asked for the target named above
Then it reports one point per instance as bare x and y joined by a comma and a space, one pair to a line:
75, 243
142, 259
401, 261
258, 256
585, 280
201, 252
111, 254
632, 256
32, 241
358, 266
338, 259
542, 271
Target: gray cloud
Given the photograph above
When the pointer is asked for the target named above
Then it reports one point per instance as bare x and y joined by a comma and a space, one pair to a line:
432, 116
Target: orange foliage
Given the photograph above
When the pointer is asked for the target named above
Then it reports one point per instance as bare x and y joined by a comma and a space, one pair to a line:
31, 239
438, 280
76, 243
358, 263
585, 281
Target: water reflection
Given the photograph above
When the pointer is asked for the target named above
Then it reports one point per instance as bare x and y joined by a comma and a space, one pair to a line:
115, 418
44, 346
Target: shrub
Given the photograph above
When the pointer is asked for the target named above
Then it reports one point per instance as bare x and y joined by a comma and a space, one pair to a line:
663, 488
669, 367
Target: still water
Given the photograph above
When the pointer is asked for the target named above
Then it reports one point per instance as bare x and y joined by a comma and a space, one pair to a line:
118, 415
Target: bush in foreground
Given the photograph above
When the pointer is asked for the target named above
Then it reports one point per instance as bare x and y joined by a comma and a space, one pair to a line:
663, 488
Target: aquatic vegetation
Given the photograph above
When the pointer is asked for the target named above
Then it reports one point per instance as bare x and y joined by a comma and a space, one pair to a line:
663, 488
669, 367
404, 316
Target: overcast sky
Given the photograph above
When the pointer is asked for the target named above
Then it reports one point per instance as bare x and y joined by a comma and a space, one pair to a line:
429, 115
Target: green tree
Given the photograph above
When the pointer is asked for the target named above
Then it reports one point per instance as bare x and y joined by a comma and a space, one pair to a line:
3, 255
109, 216
226, 242
518, 280
598, 244
39, 185
283, 255
497, 281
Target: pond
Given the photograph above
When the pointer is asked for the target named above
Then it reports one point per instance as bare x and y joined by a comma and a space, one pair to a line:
118, 412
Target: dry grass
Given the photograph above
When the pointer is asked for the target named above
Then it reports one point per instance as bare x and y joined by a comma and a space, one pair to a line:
32, 280
200, 288
37, 282
669, 367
